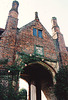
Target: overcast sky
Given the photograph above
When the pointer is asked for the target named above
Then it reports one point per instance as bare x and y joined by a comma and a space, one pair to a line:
46, 10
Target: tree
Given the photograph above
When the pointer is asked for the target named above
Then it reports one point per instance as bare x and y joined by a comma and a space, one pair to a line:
12, 72
61, 86
23, 94
3, 92
8, 93
12, 94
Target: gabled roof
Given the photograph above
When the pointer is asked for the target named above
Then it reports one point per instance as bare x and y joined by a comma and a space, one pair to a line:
32, 23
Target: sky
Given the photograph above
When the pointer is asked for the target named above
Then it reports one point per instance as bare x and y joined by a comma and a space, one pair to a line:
46, 10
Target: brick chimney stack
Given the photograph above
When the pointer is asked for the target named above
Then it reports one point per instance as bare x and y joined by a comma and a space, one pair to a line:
12, 20
55, 27
9, 44
59, 39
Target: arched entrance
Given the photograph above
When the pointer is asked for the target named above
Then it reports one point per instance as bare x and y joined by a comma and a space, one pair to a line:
39, 77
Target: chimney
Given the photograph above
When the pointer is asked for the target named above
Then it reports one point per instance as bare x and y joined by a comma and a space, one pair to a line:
12, 20
55, 27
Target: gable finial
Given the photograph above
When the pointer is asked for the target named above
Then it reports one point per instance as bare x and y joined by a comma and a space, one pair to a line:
36, 16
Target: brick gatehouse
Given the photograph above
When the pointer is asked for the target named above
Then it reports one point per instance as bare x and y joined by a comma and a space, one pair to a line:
33, 38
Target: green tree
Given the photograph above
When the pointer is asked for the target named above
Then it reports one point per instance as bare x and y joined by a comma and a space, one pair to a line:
61, 86
12, 94
23, 94
3, 92
8, 93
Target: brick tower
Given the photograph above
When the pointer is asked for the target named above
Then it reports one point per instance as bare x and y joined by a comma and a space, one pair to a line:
9, 35
60, 44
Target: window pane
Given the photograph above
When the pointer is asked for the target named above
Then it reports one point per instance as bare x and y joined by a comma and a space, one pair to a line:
40, 33
34, 32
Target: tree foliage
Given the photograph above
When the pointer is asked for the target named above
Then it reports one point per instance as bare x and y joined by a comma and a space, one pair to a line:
28, 58
11, 94
61, 86
23, 94
12, 71
8, 93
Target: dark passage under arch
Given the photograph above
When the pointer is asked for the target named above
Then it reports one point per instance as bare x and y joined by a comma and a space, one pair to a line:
39, 76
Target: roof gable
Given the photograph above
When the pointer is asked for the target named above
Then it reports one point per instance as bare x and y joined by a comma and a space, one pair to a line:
36, 24
27, 40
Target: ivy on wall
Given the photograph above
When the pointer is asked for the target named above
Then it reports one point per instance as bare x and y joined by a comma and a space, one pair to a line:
28, 58
4, 61
10, 75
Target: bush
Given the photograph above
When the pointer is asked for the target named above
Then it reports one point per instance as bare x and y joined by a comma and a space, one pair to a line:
23, 94
12, 94
61, 86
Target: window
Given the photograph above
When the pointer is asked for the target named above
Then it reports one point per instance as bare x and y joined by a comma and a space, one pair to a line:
39, 50
34, 31
40, 33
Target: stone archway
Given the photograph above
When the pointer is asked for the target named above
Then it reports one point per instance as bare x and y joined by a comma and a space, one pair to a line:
39, 77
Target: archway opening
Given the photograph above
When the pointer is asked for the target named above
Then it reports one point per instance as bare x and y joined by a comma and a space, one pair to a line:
39, 79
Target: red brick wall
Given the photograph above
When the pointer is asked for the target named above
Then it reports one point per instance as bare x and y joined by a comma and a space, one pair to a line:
23, 40
26, 40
